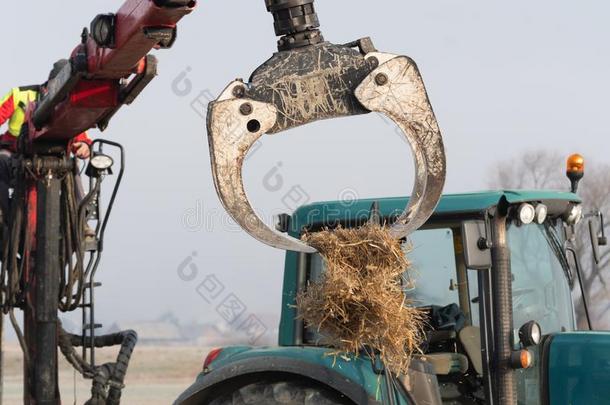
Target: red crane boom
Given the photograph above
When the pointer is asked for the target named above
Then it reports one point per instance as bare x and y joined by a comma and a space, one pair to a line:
107, 70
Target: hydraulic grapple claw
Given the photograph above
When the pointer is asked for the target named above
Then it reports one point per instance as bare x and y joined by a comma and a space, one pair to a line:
397, 90
311, 80
236, 124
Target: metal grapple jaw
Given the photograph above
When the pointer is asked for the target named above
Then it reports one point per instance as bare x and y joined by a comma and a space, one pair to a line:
315, 82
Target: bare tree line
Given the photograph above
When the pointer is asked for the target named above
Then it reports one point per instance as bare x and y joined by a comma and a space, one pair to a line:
543, 169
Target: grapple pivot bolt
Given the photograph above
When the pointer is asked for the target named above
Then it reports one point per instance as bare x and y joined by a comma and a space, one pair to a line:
239, 91
246, 109
381, 79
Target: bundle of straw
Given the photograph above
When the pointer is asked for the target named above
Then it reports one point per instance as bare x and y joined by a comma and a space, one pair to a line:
359, 301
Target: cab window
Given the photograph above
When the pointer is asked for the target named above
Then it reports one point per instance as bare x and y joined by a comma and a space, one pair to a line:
540, 289
437, 275
541, 293
432, 278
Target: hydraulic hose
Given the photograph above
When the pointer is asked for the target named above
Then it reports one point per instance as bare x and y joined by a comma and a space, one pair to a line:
116, 377
73, 278
109, 378
16, 243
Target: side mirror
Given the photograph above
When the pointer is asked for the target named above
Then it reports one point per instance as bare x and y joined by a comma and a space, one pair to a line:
594, 241
602, 241
477, 247
597, 235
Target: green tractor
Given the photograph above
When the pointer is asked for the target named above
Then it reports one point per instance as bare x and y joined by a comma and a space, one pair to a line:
495, 271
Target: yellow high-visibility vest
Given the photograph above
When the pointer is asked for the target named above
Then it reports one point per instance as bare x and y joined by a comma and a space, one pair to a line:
21, 97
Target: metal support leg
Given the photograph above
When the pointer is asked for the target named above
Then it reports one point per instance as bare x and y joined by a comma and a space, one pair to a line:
1, 356
45, 288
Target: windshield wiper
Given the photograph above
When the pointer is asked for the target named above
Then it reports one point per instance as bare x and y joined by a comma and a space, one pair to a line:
557, 247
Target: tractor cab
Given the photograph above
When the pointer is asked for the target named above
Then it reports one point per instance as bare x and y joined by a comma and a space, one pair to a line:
450, 278
493, 271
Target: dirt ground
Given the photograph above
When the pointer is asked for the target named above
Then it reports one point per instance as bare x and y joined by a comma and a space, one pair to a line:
156, 376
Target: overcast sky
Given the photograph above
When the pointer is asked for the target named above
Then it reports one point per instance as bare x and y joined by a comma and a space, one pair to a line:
503, 77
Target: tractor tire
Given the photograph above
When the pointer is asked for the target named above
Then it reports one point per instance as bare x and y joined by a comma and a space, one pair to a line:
295, 392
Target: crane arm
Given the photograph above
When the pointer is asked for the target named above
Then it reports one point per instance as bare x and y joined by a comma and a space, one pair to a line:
108, 69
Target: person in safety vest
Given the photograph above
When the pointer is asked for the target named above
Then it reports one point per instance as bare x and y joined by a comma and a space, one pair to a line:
12, 109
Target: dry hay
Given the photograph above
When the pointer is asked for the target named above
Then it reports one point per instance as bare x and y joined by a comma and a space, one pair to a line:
359, 302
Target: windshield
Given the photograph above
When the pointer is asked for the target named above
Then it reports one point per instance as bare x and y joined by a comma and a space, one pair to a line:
437, 275
540, 288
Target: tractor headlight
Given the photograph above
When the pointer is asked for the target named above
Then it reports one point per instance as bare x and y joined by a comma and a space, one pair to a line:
530, 334
102, 30
574, 214
102, 162
542, 212
527, 213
